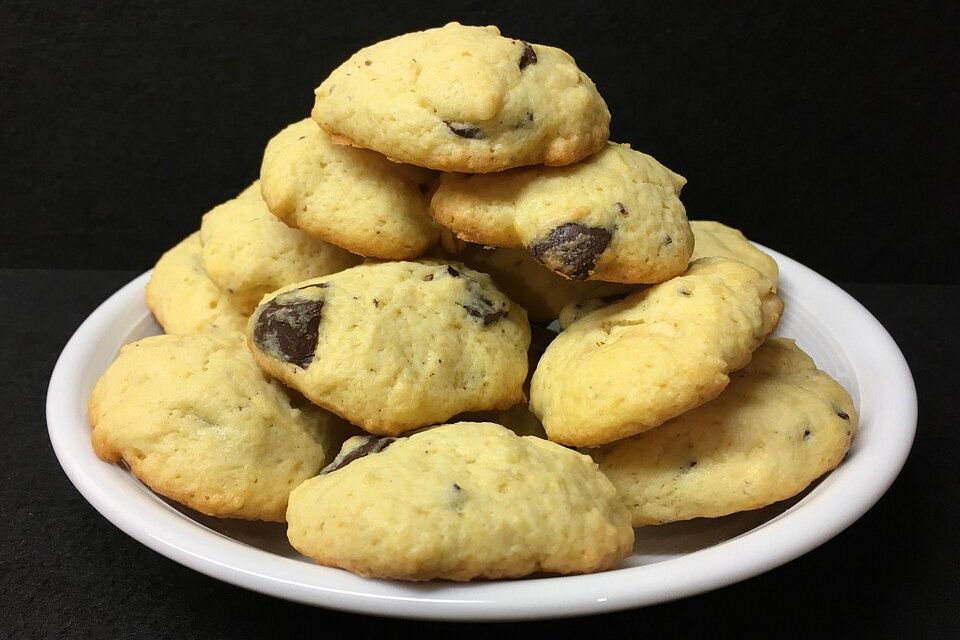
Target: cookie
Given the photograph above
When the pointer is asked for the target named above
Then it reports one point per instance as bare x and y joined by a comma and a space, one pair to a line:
184, 299
717, 239
460, 98
632, 365
616, 216
781, 424
397, 345
540, 291
458, 502
247, 252
353, 198
198, 422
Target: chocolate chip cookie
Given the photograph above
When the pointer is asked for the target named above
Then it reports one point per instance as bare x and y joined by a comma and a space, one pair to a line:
353, 198
247, 252
198, 422
458, 502
781, 424
632, 365
397, 345
616, 216
461, 98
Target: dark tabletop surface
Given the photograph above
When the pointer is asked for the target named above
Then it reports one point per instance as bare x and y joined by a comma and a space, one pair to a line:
66, 572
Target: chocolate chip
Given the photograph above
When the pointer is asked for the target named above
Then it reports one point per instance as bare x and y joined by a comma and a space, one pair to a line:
288, 328
456, 487
367, 62
571, 249
683, 291
371, 445
464, 130
301, 137
528, 57
668, 240
485, 310
453, 272
806, 433
376, 303
840, 412
623, 210
428, 277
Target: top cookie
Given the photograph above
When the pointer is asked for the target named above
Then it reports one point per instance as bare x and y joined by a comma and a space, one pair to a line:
353, 198
616, 216
466, 99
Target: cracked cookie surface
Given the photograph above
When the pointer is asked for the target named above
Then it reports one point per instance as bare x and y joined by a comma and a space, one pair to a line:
461, 98
397, 345
615, 217
458, 502
780, 424
198, 422
630, 366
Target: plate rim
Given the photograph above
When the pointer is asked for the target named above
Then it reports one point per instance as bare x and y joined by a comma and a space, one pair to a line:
793, 533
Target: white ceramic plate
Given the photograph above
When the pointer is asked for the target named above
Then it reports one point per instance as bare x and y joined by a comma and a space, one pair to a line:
669, 562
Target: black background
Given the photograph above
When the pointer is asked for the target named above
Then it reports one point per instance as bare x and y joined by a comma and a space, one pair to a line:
825, 130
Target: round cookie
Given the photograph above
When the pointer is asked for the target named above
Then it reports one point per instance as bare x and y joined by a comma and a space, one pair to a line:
657, 353
461, 98
781, 424
616, 216
458, 502
184, 299
540, 291
198, 422
397, 345
247, 252
717, 239
353, 198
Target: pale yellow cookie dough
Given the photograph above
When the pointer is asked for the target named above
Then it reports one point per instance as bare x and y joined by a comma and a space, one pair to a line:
616, 216
717, 239
353, 198
247, 252
461, 98
634, 364
198, 422
397, 345
781, 424
184, 299
458, 502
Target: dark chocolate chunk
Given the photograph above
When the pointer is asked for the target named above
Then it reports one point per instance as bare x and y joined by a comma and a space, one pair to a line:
623, 210
456, 487
288, 327
372, 444
485, 310
528, 57
806, 433
453, 272
464, 130
571, 249
840, 412
428, 277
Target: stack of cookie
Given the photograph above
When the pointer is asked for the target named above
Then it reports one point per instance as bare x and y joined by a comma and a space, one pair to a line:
387, 285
